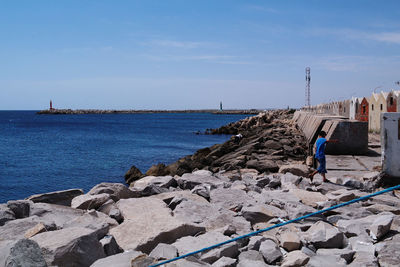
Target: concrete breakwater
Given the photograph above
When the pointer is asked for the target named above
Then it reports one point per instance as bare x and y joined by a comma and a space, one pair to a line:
160, 217
114, 111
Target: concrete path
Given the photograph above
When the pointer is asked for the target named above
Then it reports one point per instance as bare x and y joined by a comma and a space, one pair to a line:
358, 167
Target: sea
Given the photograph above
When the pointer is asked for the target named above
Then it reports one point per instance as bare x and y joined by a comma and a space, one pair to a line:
45, 153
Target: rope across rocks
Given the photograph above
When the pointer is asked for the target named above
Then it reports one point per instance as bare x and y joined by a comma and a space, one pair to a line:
278, 225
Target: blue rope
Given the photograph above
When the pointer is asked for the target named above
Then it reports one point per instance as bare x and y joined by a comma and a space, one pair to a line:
278, 225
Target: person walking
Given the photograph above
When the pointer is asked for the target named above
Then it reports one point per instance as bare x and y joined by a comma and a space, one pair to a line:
320, 155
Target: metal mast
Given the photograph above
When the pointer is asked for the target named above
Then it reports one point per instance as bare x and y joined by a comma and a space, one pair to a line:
308, 79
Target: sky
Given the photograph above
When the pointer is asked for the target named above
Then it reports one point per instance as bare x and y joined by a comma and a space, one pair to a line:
187, 54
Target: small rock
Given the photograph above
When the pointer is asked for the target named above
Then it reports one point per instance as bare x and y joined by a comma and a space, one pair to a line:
6, 214
270, 251
39, 228
252, 255
229, 230
380, 226
20, 208
116, 191
202, 190
63, 197
342, 195
324, 235
255, 242
290, 241
110, 246
224, 262
296, 169
164, 252
133, 174
295, 259
87, 202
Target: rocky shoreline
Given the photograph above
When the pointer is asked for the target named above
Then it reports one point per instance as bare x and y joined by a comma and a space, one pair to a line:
267, 141
115, 111
194, 204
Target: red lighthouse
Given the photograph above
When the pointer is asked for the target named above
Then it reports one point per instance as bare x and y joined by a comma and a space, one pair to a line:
51, 105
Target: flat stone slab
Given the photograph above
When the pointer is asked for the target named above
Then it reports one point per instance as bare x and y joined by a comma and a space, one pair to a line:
147, 222
63, 197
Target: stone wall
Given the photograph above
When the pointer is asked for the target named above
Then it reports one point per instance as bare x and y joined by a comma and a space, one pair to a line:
352, 135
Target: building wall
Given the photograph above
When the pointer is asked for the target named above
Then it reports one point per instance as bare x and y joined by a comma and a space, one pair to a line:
390, 140
373, 112
353, 108
378, 105
362, 114
391, 102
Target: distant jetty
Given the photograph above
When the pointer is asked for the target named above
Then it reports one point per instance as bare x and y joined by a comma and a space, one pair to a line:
53, 111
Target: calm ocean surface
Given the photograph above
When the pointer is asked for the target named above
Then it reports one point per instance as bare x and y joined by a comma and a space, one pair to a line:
43, 153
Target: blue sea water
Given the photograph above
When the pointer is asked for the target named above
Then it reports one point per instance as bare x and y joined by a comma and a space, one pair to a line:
44, 153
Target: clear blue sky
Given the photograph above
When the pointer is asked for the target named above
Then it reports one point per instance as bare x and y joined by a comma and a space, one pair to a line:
193, 54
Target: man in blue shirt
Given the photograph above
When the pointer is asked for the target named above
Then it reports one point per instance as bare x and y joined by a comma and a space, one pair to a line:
320, 155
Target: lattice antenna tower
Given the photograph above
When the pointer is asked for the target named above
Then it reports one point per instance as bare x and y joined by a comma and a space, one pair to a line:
308, 80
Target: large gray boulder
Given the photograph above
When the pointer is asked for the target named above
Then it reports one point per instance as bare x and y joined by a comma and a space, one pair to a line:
94, 220
324, 235
87, 201
270, 251
116, 191
149, 222
63, 197
189, 244
355, 227
23, 252
74, 246
16, 229
50, 213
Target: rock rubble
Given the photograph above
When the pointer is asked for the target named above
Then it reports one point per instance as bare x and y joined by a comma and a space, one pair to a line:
160, 217
269, 141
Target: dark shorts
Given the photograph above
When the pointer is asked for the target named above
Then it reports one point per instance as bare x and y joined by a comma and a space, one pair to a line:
322, 165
